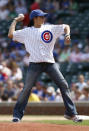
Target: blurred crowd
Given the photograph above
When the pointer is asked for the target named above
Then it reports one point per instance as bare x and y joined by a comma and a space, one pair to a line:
13, 57
80, 90
10, 90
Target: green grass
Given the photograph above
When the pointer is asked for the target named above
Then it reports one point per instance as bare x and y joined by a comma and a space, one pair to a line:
67, 122
58, 122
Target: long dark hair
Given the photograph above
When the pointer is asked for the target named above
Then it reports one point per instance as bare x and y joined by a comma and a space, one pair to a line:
31, 23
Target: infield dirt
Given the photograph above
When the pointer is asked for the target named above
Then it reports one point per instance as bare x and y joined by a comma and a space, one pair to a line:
29, 126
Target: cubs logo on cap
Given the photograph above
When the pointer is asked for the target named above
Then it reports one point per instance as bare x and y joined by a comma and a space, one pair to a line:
47, 36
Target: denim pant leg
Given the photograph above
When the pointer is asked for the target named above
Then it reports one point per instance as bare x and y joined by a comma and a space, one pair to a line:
32, 74
53, 71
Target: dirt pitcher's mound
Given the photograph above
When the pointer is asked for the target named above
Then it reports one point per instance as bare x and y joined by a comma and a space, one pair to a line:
40, 127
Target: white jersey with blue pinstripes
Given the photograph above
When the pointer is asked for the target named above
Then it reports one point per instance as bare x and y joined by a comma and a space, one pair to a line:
39, 42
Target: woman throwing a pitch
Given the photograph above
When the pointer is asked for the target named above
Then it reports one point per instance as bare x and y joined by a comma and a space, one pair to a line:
39, 41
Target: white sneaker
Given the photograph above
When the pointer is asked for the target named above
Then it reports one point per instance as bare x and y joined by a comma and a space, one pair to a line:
15, 119
74, 118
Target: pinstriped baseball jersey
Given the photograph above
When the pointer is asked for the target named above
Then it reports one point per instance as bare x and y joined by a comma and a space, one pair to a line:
39, 42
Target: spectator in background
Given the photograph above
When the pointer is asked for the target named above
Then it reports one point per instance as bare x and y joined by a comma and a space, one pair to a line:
17, 54
56, 4
52, 16
4, 12
16, 74
50, 8
9, 89
85, 55
34, 98
75, 94
77, 88
35, 5
38, 90
26, 59
48, 5
16, 2
81, 83
19, 57
21, 85
17, 88
75, 55
85, 94
58, 97
65, 4
50, 96
3, 3
5, 54
6, 69
12, 13
73, 5
4, 44
16, 71
3, 76
4, 97
64, 56
44, 93
20, 8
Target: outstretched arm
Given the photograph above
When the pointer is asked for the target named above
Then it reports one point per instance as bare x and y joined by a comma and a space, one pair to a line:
13, 25
67, 35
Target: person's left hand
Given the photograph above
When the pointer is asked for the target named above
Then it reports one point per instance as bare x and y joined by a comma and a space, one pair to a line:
67, 40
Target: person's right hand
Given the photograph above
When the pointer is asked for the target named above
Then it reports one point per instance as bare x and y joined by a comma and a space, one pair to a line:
19, 18
67, 40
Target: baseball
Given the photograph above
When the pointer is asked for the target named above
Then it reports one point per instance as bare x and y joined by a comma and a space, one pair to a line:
21, 15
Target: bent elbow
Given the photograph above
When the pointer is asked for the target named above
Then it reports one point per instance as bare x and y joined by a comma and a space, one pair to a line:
67, 26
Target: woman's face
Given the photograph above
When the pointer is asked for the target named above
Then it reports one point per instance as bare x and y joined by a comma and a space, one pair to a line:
39, 20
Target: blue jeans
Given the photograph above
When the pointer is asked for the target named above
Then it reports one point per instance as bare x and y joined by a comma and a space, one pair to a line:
34, 70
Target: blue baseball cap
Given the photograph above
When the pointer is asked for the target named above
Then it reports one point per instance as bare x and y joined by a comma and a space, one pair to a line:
37, 12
